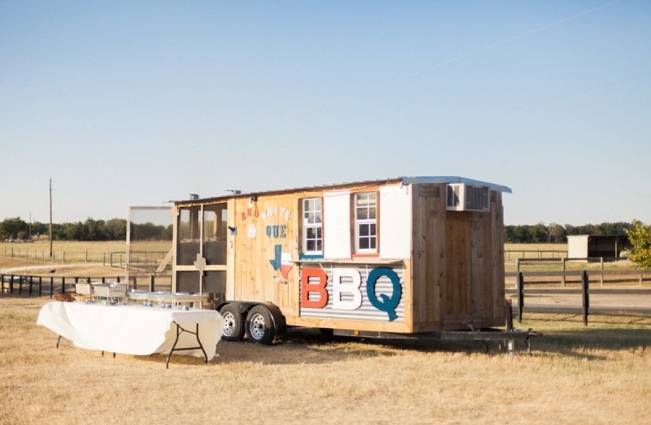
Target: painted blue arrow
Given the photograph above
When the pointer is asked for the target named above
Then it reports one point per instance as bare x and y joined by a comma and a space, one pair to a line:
278, 251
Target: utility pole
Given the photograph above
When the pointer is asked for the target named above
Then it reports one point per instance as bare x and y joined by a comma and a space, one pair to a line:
50, 228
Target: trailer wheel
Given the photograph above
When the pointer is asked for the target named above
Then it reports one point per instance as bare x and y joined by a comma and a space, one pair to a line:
260, 326
233, 323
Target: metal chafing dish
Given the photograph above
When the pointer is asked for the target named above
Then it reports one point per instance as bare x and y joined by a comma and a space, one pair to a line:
84, 288
167, 299
139, 295
110, 292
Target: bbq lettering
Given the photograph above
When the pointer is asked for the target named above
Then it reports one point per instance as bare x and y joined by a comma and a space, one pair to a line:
347, 291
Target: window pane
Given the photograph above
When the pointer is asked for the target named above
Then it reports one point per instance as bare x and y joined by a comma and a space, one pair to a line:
362, 199
372, 198
363, 243
363, 230
312, 219
372, 243
373, 229
371, 213
362, 213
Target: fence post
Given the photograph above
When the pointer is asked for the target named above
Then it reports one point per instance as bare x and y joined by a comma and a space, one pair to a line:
517, 265
509, 316
51, 286
11, 284
40, 286
2, 284
135, 283
63, 285
151, 283
118, 279
563, 260
602, 270
103, 279
520, 296
20, 285
585, 286
31, 282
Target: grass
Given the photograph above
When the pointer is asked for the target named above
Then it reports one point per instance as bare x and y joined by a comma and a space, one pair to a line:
575, 375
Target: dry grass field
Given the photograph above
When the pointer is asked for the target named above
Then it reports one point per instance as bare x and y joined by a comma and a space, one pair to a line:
598, 375
75, 251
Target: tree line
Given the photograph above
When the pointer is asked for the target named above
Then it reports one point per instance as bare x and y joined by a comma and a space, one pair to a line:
116, 228
557, 233
89, 230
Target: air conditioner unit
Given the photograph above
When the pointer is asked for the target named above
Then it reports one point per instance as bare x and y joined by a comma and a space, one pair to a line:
466, 197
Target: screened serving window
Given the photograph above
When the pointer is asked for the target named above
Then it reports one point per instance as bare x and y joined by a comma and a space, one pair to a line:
366, 222
312, 226
214, 233
188, 235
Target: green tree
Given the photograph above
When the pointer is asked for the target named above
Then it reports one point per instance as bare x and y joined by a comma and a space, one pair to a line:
556, 233
640, 237
13, 228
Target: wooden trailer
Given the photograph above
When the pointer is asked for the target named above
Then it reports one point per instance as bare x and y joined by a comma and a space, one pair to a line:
405, 255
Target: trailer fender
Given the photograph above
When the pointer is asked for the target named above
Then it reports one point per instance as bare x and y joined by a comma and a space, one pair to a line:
243, 306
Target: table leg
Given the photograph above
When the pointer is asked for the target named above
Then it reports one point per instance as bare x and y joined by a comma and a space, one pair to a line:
205, 356
176, 340
179, 330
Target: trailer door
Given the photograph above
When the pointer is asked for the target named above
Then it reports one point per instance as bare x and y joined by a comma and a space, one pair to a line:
201, 233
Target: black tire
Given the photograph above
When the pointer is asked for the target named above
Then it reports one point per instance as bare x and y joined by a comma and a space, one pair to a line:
233, 322
260, 327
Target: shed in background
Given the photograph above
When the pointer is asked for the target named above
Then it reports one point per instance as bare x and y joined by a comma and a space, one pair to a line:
595, 246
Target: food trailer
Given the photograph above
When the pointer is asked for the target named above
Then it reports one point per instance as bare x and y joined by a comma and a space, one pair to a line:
399, 256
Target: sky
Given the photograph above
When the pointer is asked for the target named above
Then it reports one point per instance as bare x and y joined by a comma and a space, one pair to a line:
137, 103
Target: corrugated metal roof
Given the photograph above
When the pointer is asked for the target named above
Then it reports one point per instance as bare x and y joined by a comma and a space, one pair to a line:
403, 180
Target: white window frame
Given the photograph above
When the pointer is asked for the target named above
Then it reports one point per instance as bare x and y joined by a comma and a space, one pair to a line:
316, 225
369, 221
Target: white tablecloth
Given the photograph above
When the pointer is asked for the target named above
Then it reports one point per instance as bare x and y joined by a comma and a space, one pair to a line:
131, 329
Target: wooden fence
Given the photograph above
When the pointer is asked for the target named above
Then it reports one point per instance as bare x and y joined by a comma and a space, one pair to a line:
32, 285
146, 261
585, 292
564, 276
514, 254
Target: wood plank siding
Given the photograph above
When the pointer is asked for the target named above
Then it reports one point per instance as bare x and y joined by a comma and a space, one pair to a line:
458, 263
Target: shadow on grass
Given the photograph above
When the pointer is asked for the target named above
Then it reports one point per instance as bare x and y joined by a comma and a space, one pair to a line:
563, 335
304, 346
